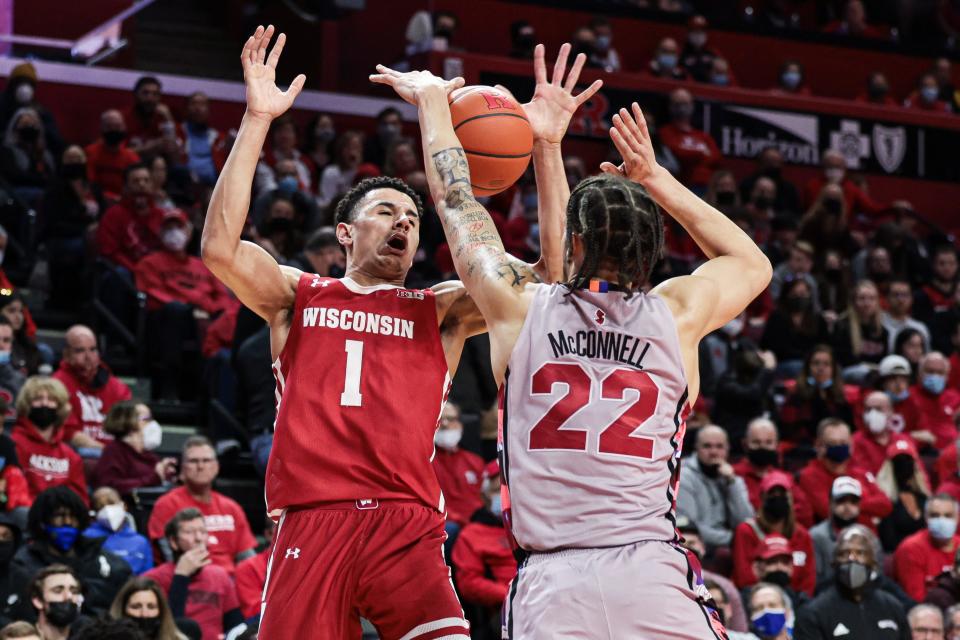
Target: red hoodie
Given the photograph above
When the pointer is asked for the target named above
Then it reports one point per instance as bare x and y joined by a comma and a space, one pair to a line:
484, 561
90, 401
817, 482
747, 540
753, 477
459, 473
251, 576
124, 236
166, 277
16, 490
47, 464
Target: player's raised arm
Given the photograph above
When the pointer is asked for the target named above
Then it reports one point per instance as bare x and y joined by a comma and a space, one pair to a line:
253, 275
549, 113
493, 278
737, 270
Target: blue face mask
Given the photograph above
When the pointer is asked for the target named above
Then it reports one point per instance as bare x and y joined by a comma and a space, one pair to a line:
929, 94
942, 528
667, 61
287, 185
4, 357
495, 507
721, 79
826, 384
63, 538
898, 397
934, 383
791, 79
838, 453
769, 623
602, 43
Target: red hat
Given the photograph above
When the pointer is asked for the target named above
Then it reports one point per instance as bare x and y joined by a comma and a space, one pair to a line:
366, 170
491, 470
776, 478
175, 214
902, 447
772, 547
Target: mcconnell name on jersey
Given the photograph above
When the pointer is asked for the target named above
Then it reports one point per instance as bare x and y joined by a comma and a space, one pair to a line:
350, 320
605, 345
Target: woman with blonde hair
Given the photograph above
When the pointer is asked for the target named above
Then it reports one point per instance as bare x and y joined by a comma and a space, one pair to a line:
142, 601
860, 338
903, 478
43, 405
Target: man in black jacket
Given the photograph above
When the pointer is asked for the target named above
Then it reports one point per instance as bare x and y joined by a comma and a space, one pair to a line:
10, 540
854, 607
56, 519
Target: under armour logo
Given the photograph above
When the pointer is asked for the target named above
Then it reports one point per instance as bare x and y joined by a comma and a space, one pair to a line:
600, 316
316, 281
293, 553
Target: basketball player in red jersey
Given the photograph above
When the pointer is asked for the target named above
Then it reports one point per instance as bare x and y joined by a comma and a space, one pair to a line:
362, 368
596, 378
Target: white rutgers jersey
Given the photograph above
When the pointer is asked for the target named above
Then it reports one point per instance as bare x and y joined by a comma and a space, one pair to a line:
592, 412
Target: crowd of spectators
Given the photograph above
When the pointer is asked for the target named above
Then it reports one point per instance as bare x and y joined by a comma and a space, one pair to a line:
820, 477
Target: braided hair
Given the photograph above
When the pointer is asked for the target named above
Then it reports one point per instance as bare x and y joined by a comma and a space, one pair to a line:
618, 220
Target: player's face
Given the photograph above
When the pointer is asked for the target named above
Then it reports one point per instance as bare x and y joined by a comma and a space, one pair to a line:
384, 235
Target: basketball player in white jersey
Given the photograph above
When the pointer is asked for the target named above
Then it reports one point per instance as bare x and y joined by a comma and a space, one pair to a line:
596, 379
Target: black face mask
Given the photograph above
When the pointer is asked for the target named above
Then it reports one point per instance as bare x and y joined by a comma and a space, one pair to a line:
762, 457
779, 578
832, 205
903, 469
279, 225
710, 470
798, 304
726, 198
113, 138
842, 523
28, 134
584, 47
776, 507
834, 275
62, 614
877, 92
73, 171
524, 42
444, 32
148, 626
853, 576
7, 549
42, 417
772, 172
762, 202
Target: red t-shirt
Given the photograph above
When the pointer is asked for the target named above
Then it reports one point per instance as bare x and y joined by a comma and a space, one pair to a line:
484, 562
124, 236
696, 151
105, 166
166, 277
210, 595
868, 454
746, 542
226, 523
917, 561
753, 478
935, 413
47, 464
89, 405
251, 577
459, 473
817, 482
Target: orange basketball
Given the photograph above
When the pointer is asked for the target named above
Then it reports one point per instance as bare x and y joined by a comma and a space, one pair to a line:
495, 135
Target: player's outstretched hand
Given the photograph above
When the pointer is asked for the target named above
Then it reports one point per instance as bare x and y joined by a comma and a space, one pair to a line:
632, 139
553, 102
412, 84
264, 98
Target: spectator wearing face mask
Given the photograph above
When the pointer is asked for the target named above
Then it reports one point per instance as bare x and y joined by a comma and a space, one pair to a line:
280, 231
92, 387
11, 378
127, 462
794, 328
109, 157
458, 470
854, 23
743, 392
835, 173
56, 519
584, 41
760, 208
845, 493
287, 188
791, 80
878, 432
318, 139
697, 56
666, 61
721, 75
818, 393
283, 146
926, 97
774, 532
481, 556
42, 408
389, 128
770, 165
936, 405
322, 254
142, 603
130, 229
604, 55
151, 128
770, 612
833, 460
904, 479
696, 150
735, 619
25, 161
21, 91
860, 336
204, 147
854, 606
877, 91
940, 295
714, 497
923, 556
119, 537
773, 564
799, 265
523, 39
56, 595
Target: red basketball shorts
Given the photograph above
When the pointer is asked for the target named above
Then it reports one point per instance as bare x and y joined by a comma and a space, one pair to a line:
382, 561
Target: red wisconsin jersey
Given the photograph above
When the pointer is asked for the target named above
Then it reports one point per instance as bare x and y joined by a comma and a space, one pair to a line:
361, 382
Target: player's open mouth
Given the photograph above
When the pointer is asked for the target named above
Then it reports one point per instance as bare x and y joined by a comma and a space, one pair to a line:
397, 242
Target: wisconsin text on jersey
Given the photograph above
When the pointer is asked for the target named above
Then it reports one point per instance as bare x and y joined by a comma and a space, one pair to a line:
364, 322
606, 345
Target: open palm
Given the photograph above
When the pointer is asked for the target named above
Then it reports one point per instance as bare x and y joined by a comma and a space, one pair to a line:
631, 137
264, 98
553, 102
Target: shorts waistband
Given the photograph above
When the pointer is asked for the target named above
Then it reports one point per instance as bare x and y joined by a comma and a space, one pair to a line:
535, 557
360, 504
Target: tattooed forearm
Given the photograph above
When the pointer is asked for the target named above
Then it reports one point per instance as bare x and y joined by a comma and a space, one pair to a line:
452, 166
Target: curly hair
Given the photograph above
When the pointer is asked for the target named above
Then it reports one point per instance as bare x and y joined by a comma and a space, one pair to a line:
348, 204
618, 220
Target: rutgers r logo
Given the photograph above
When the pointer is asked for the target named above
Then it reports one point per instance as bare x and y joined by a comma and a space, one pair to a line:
498, 101
600, 316
293, 552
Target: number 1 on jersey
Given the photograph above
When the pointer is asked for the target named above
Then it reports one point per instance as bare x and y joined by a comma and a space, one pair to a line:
351, 396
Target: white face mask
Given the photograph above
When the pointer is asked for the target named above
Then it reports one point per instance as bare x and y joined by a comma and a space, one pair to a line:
448, 438
875, 420
24, 93
175, 239
112, 516
152, 435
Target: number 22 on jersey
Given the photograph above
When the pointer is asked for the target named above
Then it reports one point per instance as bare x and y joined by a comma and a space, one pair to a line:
615, 438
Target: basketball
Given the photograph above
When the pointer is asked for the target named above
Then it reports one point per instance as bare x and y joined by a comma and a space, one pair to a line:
495, 135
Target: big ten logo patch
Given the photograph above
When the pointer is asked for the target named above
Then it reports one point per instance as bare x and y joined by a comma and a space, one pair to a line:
412, 295
498, 101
